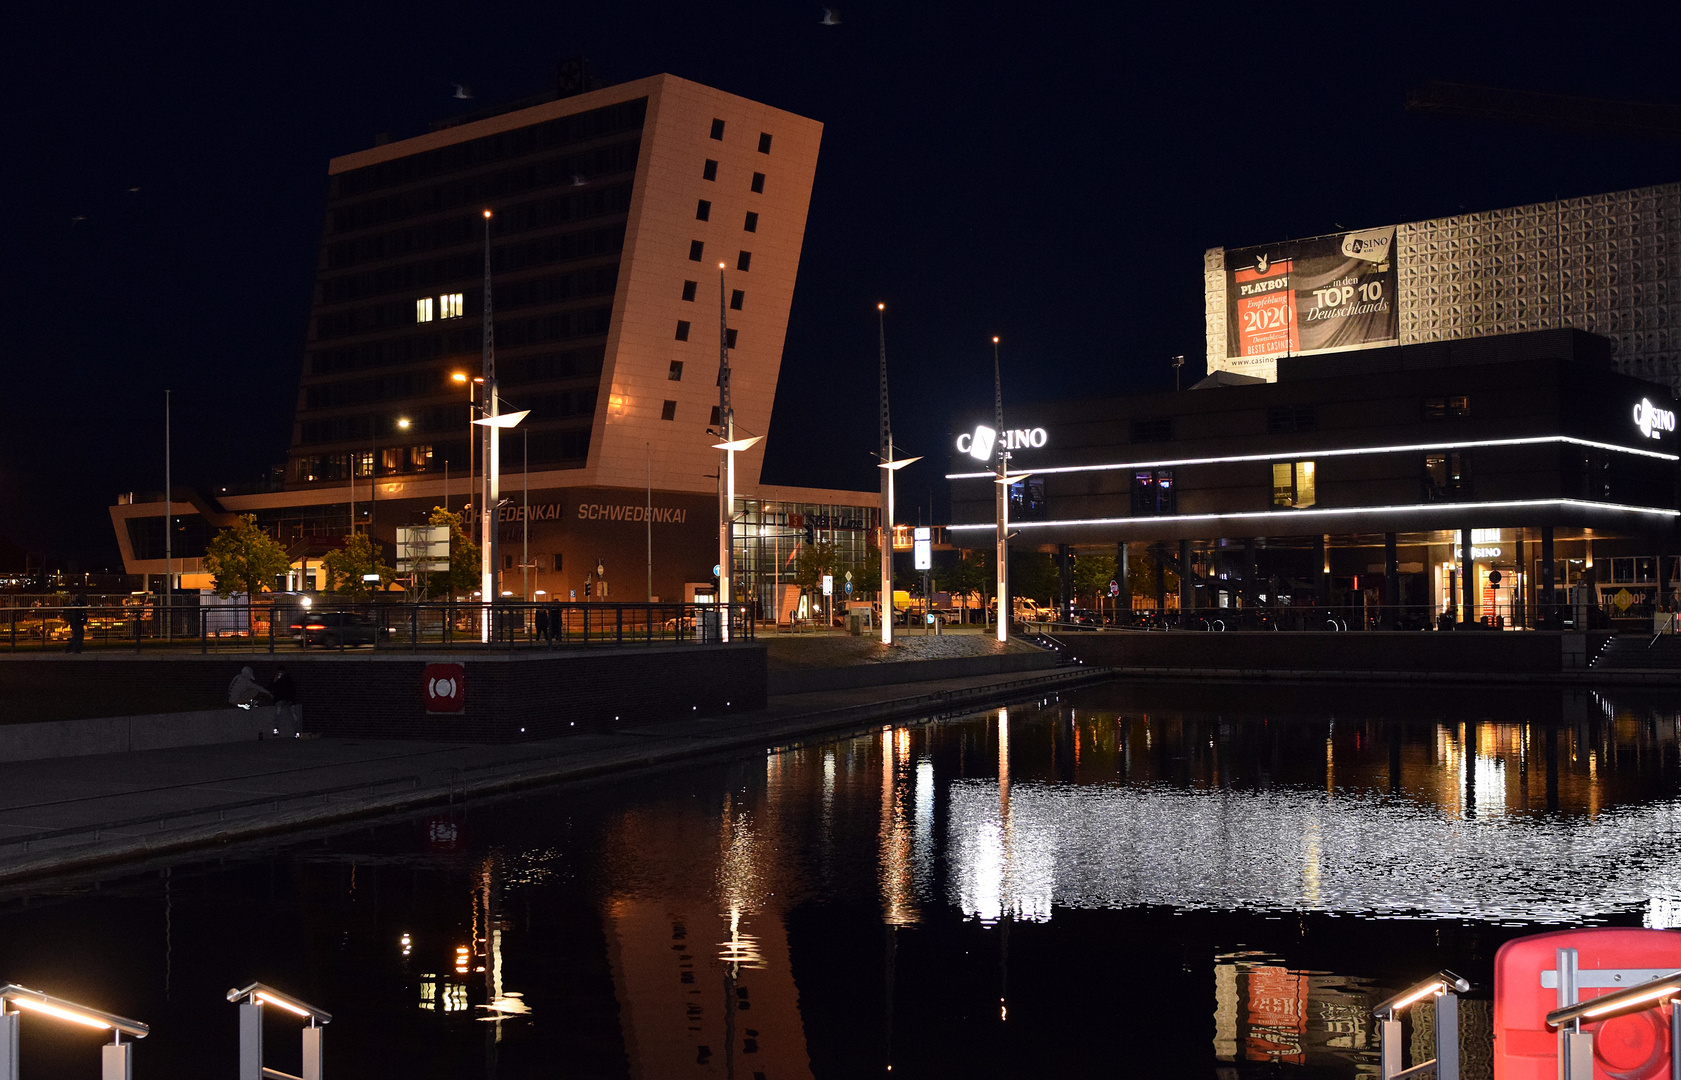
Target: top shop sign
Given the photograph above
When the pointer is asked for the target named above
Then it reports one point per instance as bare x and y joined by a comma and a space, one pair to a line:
984, 441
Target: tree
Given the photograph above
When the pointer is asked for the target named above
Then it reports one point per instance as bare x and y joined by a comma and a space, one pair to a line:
347, 566
813, 561
866, 576
463, 573
1033, 576
1092, 574
244, 559
966, 574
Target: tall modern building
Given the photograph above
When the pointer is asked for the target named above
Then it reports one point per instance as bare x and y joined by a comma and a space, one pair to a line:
1609, 264
611, 211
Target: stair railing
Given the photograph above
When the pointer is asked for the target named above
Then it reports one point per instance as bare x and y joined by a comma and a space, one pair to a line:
1446, 987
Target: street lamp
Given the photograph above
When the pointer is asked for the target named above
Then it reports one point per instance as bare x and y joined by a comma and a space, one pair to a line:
493, 425
373, 477
116, 1057
1002, 499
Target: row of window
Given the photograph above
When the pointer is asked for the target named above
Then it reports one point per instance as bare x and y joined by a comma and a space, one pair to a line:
668, 409
697, 253
709, 171
718, 134
683, 333
703, 212
448, 307
1295, 419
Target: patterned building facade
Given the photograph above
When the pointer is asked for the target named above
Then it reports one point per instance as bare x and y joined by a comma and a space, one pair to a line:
1609, 264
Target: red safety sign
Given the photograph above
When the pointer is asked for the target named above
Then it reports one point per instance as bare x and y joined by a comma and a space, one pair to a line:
1526, 978
445, 688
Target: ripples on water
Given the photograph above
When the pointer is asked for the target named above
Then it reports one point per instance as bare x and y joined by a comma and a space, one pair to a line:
1132, 881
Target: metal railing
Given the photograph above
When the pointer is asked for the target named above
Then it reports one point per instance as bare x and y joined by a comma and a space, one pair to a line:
1445, 987
1575, 1046
288, 623
1333, 618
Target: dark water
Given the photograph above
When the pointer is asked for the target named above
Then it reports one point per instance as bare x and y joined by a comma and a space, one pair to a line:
1130, 882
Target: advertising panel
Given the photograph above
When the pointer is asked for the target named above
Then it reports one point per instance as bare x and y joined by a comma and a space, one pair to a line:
1302, 297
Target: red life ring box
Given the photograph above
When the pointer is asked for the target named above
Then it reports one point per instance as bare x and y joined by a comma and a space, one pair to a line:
1632, 1047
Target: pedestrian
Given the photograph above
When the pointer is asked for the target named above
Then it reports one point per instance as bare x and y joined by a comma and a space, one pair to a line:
244, 692
542, 622
285, 694
77, 616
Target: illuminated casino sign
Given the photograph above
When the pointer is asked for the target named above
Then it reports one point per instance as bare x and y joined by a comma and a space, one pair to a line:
984, 440
1653, 421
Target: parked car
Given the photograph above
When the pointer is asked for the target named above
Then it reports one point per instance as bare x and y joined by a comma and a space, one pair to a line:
1084, 618
334, 628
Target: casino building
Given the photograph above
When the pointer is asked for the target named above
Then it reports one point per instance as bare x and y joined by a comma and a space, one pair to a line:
611, 210
1385, 480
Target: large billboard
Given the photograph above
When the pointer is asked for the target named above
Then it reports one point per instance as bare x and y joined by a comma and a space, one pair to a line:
1309, 296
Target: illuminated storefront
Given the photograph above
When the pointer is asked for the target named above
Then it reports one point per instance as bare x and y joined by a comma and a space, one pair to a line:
1502, 481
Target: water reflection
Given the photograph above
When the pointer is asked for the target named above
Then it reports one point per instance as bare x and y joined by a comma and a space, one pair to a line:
1241, 874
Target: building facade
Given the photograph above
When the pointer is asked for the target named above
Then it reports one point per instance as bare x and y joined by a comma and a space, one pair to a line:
1609, 264
609, 214
1384, 479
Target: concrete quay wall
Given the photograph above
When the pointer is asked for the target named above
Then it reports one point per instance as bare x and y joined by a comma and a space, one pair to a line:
122, 734
854, 676
509, 697
1426, 653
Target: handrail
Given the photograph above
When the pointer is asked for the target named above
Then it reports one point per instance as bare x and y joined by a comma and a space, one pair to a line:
69, 1010
1441, 981
268, 995
1445, 986
1630, 999
1667, 626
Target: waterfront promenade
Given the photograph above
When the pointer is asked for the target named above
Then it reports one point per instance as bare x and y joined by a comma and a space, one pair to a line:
62, 814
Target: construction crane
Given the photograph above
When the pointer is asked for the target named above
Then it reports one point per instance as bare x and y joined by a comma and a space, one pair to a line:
1564, 111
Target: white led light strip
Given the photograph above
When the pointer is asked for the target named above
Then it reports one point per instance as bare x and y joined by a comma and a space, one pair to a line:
1286, 515
1307, 455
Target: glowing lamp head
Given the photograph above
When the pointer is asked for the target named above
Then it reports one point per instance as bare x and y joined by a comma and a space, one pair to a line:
403, 423
881, 307
487, 214
458, 376
720, 266
995, 339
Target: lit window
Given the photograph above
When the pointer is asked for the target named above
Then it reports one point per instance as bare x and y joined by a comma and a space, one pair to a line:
668, 411
1447, 477
676, 372
737, 298
703, 211
764, 142
718, 130
752, 224
688, 290
1293, 485
1153, 492
423, 309
449, 306
758, 182
1446, 408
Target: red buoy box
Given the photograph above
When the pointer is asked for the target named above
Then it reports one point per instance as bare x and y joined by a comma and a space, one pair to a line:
1632, 1047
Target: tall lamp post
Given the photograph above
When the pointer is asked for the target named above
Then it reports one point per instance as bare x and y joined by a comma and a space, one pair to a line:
726, 469
888, 467
1002, 483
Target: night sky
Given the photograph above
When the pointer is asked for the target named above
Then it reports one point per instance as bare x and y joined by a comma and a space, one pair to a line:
1048, 173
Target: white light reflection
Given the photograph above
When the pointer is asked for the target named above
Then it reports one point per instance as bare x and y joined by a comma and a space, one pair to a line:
1099, 847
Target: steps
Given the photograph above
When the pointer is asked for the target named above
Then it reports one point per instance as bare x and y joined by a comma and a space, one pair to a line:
1628, 652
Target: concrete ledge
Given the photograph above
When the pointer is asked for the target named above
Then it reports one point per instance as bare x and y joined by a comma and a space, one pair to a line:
854, 676
121, 734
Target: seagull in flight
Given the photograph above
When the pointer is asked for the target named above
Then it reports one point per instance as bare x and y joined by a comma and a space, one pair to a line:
134, 191
462, 92
831, 17
577, 180
77, 218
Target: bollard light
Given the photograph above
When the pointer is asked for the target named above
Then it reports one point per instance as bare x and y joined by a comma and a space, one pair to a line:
116, 1061
251, 1000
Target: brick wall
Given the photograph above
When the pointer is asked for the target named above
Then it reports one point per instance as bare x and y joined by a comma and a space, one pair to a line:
380, 696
